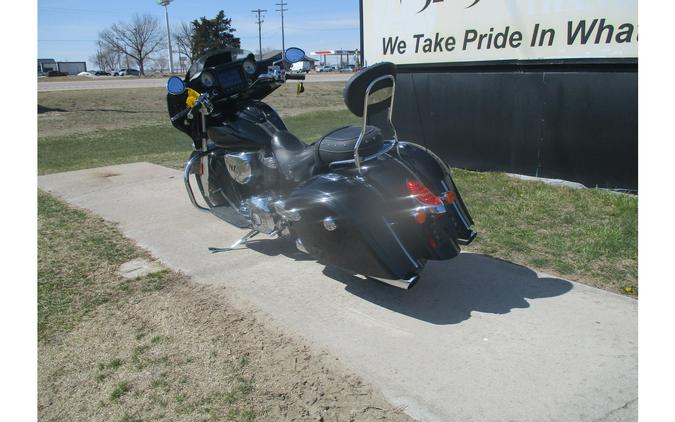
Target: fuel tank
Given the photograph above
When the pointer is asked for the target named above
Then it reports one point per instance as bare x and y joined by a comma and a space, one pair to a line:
251, 126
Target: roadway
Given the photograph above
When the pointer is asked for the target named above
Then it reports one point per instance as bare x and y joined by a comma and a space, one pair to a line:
122, 83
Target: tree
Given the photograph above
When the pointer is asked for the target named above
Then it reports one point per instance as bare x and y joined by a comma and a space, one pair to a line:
213, 33
106, 58
138, 39
182, 35
160, 63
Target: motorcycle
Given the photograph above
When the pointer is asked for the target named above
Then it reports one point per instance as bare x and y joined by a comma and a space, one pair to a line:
371, 206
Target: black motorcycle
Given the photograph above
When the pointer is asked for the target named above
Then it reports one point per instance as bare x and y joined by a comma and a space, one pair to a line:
353, 199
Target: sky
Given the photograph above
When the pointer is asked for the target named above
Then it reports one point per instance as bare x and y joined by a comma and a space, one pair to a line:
68, 29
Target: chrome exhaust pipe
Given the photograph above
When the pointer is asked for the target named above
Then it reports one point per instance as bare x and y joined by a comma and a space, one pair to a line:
300, 246
405, 284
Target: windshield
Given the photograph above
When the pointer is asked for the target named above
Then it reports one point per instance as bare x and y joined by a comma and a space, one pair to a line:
216, 57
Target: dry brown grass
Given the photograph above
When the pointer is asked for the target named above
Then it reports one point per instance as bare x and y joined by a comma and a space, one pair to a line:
160, 347
63, 113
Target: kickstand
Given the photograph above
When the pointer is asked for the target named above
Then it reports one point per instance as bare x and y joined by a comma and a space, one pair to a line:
241, 241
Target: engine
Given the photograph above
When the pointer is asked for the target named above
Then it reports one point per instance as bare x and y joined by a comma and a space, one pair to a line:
256, 180
261, 214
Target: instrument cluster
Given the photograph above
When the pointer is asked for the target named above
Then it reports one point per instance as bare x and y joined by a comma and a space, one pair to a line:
230, 78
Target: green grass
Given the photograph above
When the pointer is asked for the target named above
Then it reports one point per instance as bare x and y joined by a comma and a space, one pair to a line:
78, 255
162, 145
584, 234
120, 390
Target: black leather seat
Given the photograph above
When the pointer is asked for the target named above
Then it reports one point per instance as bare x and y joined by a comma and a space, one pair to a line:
338, 145
297, 160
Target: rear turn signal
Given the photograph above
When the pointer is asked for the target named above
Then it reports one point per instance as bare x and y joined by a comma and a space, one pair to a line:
422, 193
421, 217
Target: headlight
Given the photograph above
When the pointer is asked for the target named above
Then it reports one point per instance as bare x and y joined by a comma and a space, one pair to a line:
207, 79
249, 67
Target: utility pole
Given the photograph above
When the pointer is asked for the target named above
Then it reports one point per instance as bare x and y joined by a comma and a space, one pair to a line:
166, 4
283, 41
259, 22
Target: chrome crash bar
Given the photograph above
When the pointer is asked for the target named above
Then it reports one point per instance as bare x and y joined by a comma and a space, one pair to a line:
188, 186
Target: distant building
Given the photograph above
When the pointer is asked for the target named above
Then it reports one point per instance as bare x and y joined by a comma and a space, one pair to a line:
274, 55
45, 66
341, 55
72, 68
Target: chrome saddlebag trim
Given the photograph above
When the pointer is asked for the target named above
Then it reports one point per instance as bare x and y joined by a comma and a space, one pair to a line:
386, 147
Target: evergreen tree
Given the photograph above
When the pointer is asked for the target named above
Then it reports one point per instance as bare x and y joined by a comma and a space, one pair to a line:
214, 33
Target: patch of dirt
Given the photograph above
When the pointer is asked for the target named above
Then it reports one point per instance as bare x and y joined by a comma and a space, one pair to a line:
185, 353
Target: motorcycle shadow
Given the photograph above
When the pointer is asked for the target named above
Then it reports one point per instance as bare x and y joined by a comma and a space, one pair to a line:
449, 291
280, 246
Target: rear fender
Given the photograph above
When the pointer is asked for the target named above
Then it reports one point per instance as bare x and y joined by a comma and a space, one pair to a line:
363, 241
435, 174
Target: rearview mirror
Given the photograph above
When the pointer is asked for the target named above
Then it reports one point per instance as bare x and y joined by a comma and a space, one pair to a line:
294, 55
175, 85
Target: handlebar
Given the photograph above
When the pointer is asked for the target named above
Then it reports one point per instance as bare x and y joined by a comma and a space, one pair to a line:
181, 115
203, 100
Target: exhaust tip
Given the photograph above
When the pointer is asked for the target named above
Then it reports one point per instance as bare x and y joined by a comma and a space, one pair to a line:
412, 281
300, 246
405, 284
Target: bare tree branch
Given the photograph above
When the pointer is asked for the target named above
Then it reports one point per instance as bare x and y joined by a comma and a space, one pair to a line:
182, 35
138, 39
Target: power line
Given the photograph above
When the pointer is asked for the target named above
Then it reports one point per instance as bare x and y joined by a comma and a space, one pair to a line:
259, 22
66, 9
304, 28
283, 41
67, 40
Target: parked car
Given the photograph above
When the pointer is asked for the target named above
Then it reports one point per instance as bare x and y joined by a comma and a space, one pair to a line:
56, 73
84, 74
127, 72
326, 68
101, 73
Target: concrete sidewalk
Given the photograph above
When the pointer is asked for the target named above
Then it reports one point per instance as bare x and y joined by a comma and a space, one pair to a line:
478, 339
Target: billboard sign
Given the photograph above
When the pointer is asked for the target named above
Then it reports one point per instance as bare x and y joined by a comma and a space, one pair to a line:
464, 31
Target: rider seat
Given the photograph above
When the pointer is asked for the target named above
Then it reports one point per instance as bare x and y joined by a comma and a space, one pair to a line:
296, 159
338, 145
371, 88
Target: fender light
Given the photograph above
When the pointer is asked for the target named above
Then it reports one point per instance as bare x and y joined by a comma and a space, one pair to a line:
420, 217
422, 193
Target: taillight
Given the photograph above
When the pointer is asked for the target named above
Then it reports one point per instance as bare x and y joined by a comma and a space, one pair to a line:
422, 193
